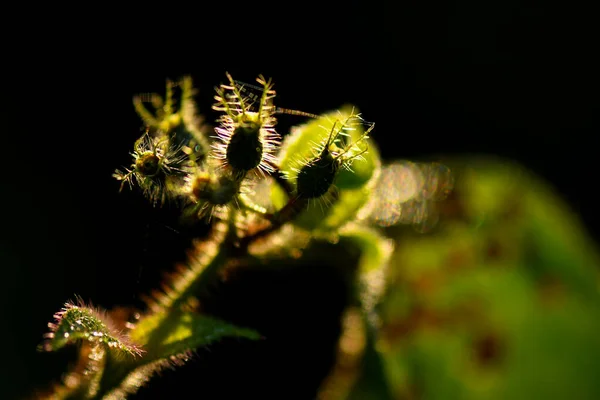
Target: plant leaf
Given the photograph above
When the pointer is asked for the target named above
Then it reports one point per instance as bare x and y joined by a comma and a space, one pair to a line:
375, 251
164, 336
168, 339
500, 302
79, 323
101, 342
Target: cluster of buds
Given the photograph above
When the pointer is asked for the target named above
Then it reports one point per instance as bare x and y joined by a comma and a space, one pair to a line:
209, 175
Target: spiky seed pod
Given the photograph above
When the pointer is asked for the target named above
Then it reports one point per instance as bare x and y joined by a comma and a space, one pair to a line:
157, 168
316, 177
148, 164
244, 151
211, 193
246, 137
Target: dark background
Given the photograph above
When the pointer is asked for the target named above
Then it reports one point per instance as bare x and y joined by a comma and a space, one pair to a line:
507, 78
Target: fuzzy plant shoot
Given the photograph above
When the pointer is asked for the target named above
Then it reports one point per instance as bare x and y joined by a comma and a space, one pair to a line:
246, 136
157, 168
268, 199
315, 177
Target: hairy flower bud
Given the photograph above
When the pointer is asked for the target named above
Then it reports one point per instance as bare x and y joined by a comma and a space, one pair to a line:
156, 168
246, 138
316, 178
211, 193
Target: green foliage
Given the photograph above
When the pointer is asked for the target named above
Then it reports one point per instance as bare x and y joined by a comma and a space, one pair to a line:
164, 335
213, 180
350, 188
498, 300
79, 323
501, 301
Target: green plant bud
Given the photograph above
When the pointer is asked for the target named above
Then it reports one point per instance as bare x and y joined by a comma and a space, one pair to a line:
211, 195
245, 149
316, 178
246, 136
148, 164
216, 191
327, 161
158, 168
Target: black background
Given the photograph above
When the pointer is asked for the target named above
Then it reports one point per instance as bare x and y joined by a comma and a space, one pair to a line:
508, 78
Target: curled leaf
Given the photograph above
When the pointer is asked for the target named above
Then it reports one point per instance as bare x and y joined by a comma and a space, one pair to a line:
80, 323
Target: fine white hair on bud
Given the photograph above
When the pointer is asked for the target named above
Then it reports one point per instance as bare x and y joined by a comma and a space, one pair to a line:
315, 177
157, 167
210, 194
246, 140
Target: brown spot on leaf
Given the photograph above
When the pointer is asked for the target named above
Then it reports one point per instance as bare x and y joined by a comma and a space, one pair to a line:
488, 349
551, 290
494, 250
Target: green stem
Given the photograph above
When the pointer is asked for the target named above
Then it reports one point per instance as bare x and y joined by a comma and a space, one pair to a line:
293, 207
143, 112
247, 204
203, 271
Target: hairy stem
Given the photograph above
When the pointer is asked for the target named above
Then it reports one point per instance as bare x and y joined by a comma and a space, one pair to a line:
202, 271
293, 207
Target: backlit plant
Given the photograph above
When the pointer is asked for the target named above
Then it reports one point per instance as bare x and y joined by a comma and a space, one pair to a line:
269, 199
499, 301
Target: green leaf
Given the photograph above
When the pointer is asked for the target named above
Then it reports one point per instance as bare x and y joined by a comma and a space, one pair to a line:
165, 335
79, 323
168, 339
500, 302
374, 247
375, 251
344, 210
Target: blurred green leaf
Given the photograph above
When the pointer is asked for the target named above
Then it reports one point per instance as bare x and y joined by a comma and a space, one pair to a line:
375, 251
501, 301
